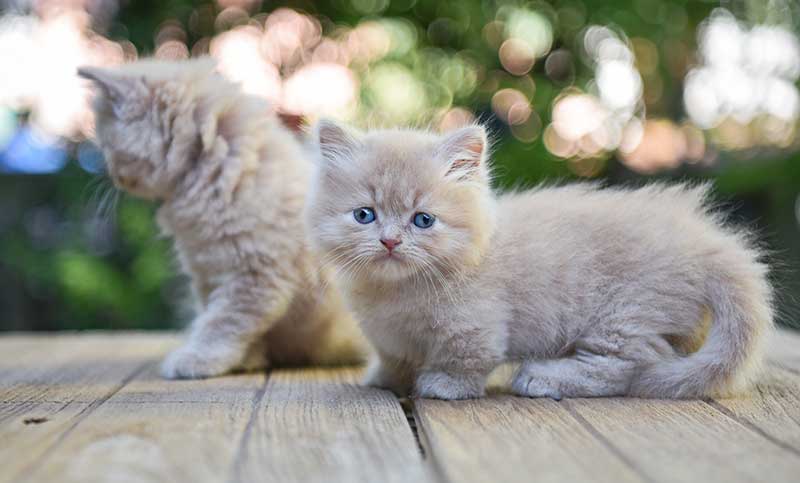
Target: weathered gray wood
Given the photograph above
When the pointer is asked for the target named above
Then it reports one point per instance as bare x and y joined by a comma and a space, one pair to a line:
48, 385
75, 367
16, 345
29, 430
154, 430
676, 441
318, 425
772, 408
96, 410
511, 439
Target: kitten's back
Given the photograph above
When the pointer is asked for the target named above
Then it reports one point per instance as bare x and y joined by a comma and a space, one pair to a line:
662, 247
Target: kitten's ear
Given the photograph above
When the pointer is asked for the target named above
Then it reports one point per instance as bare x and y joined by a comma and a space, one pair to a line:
464, 151
115, 87
335, 142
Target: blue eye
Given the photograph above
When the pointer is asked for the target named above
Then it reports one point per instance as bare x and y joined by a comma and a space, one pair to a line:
424, 220
364, 216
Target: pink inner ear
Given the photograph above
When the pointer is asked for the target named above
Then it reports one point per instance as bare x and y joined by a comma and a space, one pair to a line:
475, 150
463, 163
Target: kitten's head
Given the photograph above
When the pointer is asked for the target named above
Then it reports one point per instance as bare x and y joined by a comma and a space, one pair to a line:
144, 124
396, 204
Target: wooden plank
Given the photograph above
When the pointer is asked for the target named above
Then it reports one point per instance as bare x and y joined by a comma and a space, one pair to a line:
84, 423
56, 382
676, 441
149, 387
15, 345
28, 431
510, 439
784, 349
319, 425
313, 425
154, 430
771, 409
76, 367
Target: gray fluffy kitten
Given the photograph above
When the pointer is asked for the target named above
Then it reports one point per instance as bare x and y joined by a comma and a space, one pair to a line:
597, 292
230, 181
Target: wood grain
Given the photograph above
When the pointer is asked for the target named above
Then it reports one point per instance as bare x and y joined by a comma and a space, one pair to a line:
29, 430
91, 407
319, 425
74, 367
154, 430
48, 385
772, 408
676, 441
511, 439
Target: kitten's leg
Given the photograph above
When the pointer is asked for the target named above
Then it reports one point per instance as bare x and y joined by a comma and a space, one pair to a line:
229, 334
389, 373
583, 375
212, 349
459, 372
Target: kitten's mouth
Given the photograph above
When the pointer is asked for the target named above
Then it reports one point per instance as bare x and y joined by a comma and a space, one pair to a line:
390, 266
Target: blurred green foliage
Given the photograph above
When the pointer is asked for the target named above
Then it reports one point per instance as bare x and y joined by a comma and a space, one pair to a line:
65, 263
67, 266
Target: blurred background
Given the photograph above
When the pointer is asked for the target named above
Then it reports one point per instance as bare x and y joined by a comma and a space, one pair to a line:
622, 90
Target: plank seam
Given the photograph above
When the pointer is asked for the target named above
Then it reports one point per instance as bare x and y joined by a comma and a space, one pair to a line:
752, 427
85, 412
605, 441
20, 407
411, 420
240, 458
436, 468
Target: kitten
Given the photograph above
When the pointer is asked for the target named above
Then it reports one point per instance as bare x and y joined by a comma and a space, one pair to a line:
597, 292
231, 183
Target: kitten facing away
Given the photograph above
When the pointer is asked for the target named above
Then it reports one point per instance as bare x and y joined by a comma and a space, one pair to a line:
231, 184
596, 292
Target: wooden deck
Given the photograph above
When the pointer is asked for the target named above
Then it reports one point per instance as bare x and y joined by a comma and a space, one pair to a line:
91, 407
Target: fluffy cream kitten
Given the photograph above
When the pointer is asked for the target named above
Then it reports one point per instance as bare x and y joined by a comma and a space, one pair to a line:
597, 292
231, 182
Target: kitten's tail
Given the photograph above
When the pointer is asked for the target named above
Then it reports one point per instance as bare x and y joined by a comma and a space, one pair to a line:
740, 298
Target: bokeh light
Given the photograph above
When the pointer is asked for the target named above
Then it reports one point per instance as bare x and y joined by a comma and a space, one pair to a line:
590, 124
568, 88
325, 89
745, 87
740, 93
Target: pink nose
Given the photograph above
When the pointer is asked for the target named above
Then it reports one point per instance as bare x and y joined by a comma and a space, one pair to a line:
390, 243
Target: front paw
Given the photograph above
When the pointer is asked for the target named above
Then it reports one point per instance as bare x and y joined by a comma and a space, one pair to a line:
441, 385
196, 361
528, 384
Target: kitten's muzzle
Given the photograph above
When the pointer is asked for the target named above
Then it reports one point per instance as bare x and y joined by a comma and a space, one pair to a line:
390, 243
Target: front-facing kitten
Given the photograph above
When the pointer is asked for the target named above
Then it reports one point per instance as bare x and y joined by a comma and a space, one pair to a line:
597, 292
231, 184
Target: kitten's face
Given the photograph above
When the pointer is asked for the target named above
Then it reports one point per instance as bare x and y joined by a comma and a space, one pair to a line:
135, 124
392, 205
132, 149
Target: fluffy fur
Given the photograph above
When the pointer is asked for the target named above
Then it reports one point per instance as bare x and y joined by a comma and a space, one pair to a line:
231, 183
596, 292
